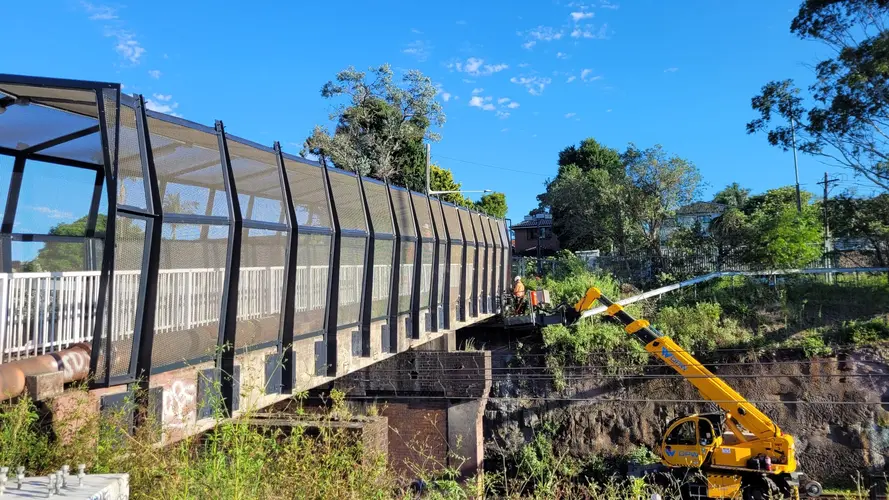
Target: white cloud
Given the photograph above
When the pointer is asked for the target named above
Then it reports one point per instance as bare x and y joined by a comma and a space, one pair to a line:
587, 76
477, 91
608, 110
478, 102
504, 130
477, 67
608, 5
524, 65
416, 31
571, 79
534, 84
126, 44
671, 70
162, 104
502, 115
52, 213
577, 16
445, 96
155, 73
561, 55
467, 80
513, 105
99, 12
529, 44
570, 115
419, 49
588, 32
544, 33
461, 23
503, 100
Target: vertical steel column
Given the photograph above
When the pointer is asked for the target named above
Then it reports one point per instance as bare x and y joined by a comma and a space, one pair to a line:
12, 203
418, 272
464, 314
105, 301
446, 297
367, 294
225, 359
436, 250
146, 309
475, 285
333, 295
484, 287
394, 337
288, 308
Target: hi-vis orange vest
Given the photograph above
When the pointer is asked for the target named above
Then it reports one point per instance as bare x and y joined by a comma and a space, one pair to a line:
519, 290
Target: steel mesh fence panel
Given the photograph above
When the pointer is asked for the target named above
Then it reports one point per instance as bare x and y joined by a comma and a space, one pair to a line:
452, 221
426, 254
347, 197
132, 188
258, 182
456, 264
260, 287
110, 100
378, 203
312, 268
466, 223
127, 277
189, 170
424, 218
309, 194
442, 266
406, 275
189, 293
351, 267
403, 215
483, 256
74, 205
34, 125
468, 288
438, 219
382, 278
504, 238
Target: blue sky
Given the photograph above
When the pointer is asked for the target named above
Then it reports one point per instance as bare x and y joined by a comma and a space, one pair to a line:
519, 80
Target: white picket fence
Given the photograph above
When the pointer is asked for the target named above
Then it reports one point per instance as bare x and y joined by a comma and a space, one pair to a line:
46, 312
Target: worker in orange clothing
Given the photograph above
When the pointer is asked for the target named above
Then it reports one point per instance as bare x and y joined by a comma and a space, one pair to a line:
518, 294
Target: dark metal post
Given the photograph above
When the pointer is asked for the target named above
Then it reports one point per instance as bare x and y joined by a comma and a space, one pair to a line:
229, 315
396, 278
367, 293
105, 301
436, 262
418, 272
12, 203
151, 267
333, 296
288, 307
464, 313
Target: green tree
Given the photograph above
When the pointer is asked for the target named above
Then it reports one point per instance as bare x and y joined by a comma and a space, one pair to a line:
381, 129
657, 184
846, 122
779, 235
733, 196
585, 198
862, 218
69, 256
493, 204
442, 179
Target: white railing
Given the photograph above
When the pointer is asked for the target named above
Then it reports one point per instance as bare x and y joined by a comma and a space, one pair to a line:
46, 312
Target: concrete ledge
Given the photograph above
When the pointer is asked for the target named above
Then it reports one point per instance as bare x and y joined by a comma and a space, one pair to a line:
44, 386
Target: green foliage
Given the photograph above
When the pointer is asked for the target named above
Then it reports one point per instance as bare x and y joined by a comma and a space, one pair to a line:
21, 440
493, 204
539, 462
812, 344
381, 129
643, 456
701, 328
866, 218
732, 196
848, 98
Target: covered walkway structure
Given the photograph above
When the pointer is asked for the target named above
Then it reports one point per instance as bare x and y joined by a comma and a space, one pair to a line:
194, 247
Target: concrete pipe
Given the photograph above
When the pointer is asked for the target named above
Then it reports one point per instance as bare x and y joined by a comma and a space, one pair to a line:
74, 362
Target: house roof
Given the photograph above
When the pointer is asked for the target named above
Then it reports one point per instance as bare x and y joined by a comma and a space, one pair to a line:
531, 223
700, 208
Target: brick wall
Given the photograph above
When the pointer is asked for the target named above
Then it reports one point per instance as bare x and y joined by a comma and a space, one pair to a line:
418, 435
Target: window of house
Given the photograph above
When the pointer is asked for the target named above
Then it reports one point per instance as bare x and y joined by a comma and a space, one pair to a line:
546, 233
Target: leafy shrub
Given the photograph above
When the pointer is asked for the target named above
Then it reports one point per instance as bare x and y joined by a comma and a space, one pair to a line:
865, 332
701, 328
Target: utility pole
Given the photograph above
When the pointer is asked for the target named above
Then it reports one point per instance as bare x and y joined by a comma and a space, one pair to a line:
428, 167
826, 182
799, 203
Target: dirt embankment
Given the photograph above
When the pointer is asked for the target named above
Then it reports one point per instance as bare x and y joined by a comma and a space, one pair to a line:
836, 408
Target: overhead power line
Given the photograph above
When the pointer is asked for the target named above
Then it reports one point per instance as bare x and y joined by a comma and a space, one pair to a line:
612, 400
491, 166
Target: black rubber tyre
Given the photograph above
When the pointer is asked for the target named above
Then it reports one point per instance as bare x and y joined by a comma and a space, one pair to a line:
762, 489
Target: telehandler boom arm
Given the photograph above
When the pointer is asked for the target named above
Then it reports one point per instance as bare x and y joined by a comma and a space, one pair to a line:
711, 387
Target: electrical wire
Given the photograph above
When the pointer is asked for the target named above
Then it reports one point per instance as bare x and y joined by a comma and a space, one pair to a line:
612, 400
546, 377
491, 166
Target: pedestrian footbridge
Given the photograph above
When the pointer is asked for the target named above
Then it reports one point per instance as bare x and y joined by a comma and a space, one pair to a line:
179, 246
